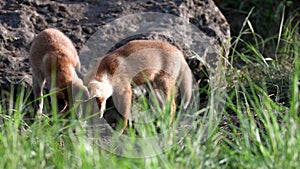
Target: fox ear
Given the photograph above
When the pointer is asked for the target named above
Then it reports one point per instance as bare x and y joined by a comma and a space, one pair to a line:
93, 88
99, 102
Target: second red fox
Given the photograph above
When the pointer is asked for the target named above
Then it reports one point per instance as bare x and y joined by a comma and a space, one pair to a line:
139, 62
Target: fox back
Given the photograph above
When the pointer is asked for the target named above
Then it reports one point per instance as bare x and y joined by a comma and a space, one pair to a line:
50, 50
54, 61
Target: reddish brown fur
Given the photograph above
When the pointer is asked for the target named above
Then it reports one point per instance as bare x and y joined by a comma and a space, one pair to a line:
62, 53
111, 73
109, 64
52, 50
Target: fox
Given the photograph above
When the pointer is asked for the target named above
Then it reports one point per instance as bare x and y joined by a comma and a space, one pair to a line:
139, 63
55, 63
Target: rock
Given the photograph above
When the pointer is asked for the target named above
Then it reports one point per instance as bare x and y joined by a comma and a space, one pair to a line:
88, 30
24, 20
53, 19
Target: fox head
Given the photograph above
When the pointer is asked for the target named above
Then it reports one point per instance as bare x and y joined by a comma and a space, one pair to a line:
79, 90
101, 91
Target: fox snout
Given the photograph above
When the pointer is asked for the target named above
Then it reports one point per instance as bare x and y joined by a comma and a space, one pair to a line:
101, 91
93, 88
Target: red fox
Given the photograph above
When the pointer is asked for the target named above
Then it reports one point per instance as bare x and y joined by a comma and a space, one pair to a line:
53, 59
140, 62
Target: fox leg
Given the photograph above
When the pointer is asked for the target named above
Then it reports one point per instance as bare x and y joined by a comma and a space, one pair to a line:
38, 85
170, 93
122, 97
168, 86
171, 96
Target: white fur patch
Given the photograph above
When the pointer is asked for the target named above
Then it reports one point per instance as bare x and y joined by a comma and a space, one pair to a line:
100, 89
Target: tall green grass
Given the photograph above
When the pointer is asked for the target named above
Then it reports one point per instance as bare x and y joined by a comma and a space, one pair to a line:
259, 128
265, 103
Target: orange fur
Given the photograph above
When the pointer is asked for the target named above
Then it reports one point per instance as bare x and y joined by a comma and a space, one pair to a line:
51, 51
139, 62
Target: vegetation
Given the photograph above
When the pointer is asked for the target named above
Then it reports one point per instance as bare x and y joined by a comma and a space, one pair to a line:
259, 128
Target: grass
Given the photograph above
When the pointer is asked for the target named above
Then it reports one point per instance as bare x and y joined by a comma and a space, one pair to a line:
259, 127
